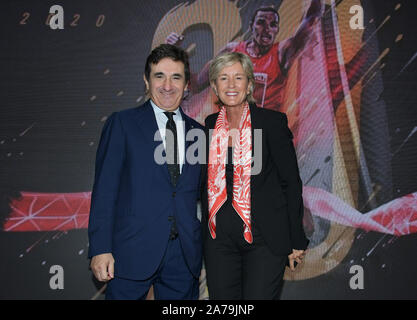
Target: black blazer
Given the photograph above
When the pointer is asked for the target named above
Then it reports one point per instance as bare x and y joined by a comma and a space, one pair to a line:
276, 192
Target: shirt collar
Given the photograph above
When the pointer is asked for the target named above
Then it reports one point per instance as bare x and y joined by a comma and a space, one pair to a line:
158, 110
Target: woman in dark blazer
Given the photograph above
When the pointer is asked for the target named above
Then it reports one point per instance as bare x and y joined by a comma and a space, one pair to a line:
252, 207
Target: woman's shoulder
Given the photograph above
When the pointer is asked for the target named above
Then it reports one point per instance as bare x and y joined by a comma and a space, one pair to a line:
269, 115
211, 120
274, 122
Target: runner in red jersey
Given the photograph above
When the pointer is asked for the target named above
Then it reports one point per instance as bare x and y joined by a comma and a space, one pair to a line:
269, 79
271, 60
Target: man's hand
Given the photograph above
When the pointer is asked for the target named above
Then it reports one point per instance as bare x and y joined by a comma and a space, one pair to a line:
174, 38
297, 256
102, 266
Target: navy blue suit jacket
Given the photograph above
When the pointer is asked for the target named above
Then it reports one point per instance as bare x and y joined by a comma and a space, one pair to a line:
133, 197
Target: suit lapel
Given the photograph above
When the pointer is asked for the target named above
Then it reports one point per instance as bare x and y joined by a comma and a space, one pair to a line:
146, 121
187, 127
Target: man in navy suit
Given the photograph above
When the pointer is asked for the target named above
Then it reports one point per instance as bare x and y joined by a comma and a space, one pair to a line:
143, 227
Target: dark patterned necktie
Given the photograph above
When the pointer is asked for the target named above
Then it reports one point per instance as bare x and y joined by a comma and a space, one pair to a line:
171, 146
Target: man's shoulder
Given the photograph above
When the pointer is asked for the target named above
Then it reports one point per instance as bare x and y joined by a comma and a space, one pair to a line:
129, 112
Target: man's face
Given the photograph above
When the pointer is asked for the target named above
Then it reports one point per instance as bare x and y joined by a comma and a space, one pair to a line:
265, 28
166, 83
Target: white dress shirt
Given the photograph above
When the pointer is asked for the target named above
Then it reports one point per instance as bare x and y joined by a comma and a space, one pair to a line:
161, 120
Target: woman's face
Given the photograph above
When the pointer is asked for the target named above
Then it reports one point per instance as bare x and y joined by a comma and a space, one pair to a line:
232, 85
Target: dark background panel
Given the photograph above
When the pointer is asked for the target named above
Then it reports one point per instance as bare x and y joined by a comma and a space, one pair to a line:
58, 87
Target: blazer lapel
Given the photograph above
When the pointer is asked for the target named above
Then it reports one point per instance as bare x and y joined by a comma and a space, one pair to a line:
254, 122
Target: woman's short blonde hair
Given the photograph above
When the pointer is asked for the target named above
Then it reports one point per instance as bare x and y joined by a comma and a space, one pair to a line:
227, 59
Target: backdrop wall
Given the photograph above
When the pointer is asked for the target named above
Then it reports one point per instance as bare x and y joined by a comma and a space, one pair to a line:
350, 97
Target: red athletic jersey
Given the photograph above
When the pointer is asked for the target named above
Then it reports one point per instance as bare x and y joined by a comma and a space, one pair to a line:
270, 82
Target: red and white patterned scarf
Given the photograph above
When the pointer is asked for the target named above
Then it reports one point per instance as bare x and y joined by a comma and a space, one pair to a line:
242, 156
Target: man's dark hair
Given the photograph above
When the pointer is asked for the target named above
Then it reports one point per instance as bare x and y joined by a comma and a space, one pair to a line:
263, 9
168, 51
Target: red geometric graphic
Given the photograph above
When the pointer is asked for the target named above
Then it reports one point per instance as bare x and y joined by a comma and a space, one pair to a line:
49, 211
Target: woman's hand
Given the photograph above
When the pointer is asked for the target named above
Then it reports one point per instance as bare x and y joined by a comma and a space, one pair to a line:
297, 256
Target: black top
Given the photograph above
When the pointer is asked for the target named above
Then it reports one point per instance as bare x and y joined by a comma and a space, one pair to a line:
228, 223
229, 172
